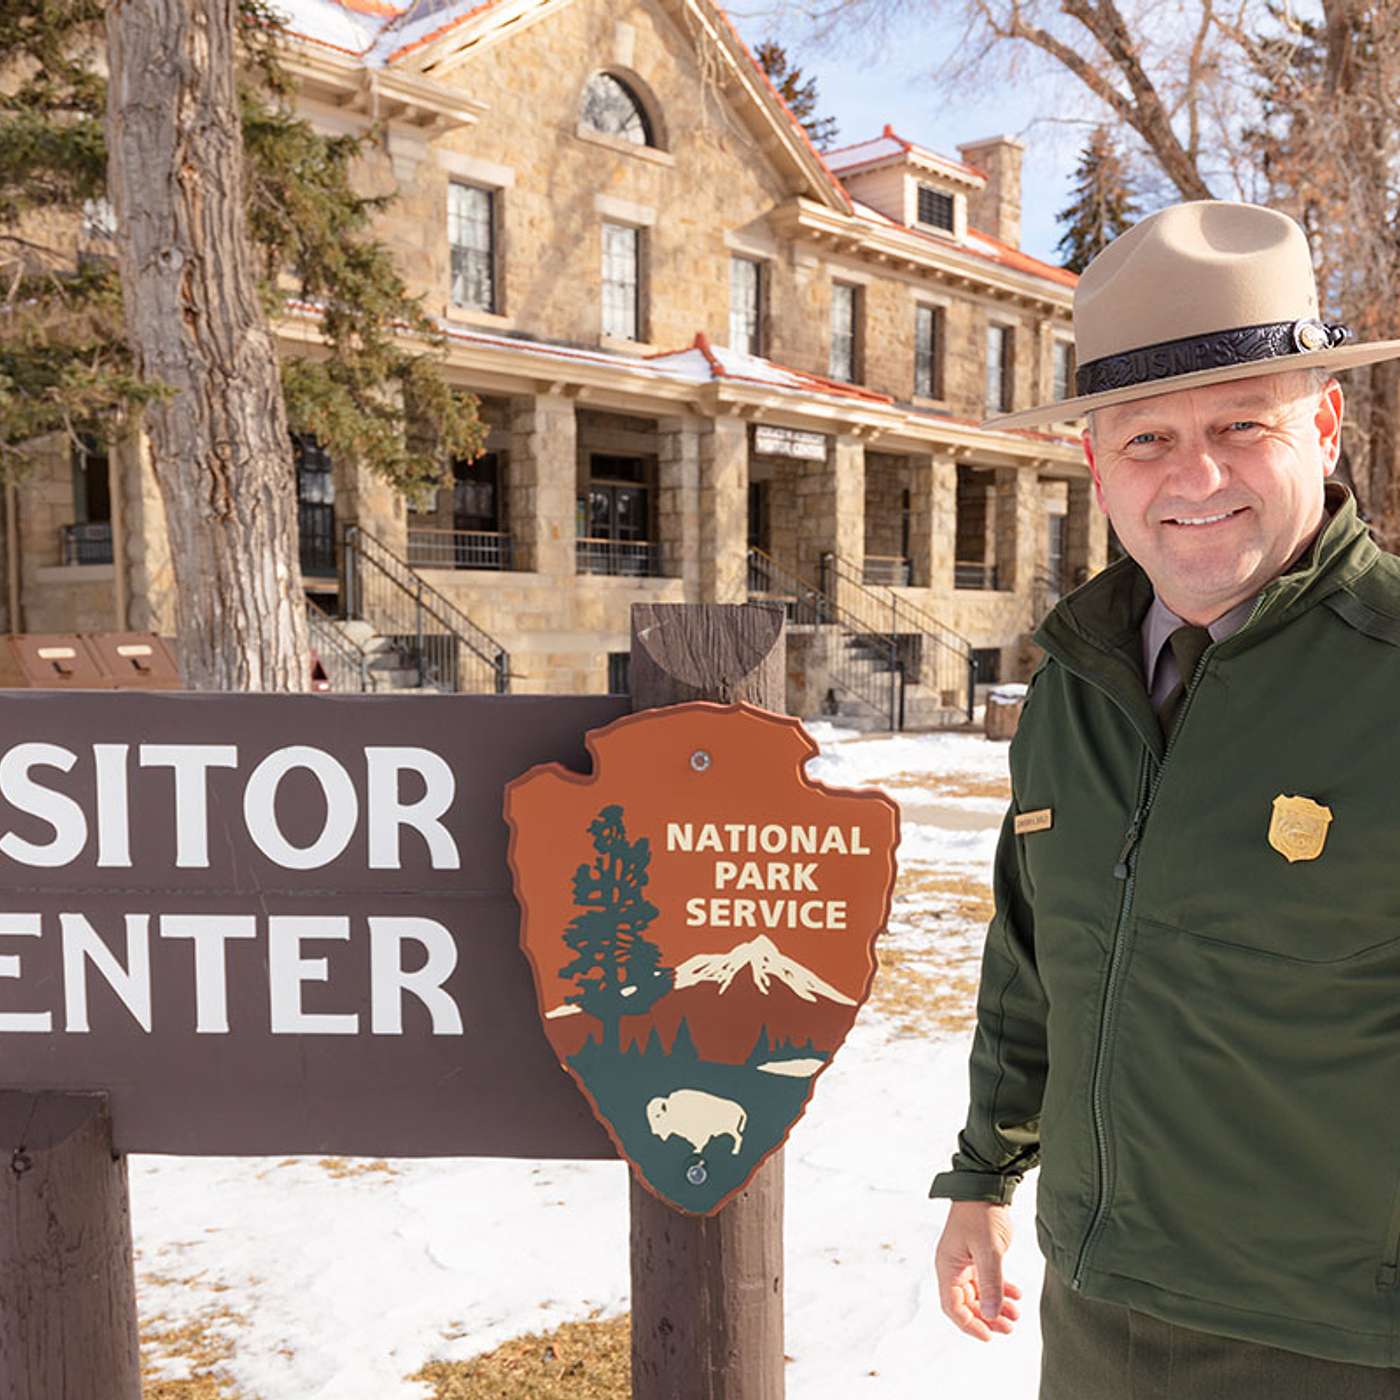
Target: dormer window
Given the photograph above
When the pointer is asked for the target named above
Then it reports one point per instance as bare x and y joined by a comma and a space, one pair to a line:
611, 108
935, 208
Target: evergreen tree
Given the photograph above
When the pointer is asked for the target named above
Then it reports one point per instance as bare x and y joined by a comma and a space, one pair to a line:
800, 96
1103, 204
378, 397
617, 970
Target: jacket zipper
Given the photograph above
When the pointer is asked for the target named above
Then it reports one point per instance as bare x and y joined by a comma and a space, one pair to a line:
1126, 870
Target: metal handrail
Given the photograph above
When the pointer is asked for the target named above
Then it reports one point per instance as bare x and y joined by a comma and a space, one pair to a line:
433, 633
976, 574
936, 656
87, 542
888, 570
431, 548
630, 558
344, 658
807, 605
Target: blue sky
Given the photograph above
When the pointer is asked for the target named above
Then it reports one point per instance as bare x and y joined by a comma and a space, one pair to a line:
868, 80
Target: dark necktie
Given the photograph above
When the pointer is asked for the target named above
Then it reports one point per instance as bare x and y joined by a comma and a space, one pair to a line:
1188, 645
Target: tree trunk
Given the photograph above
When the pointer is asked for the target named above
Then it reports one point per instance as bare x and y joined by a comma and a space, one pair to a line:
219, 442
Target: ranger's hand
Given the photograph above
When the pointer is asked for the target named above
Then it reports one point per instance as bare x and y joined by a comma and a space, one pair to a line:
968, 1265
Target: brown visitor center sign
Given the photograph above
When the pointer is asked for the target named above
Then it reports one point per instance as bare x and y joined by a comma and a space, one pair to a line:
700, 917
271, 924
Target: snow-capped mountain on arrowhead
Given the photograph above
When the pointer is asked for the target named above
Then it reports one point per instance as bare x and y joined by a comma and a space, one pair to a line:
726, 999
766, 963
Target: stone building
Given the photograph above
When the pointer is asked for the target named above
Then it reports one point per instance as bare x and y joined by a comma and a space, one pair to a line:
715, 363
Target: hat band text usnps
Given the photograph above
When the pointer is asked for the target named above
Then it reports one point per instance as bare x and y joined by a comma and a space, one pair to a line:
1217, 350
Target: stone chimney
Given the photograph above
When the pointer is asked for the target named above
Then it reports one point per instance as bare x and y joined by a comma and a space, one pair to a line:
997, 209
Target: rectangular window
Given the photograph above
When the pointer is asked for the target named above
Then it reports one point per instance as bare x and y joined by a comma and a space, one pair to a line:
315, 505
622, 282
1064, 369
986, 665
746, 306
935, 208
928, 337
1000, 367
619, 673
845, 316
471, 234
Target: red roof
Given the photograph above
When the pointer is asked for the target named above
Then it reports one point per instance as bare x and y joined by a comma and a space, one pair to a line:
1008, 256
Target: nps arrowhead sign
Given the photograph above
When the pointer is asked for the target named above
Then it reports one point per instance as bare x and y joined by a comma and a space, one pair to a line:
701, 920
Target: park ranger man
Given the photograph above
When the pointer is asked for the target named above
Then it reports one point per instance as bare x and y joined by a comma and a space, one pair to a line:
1189, 1012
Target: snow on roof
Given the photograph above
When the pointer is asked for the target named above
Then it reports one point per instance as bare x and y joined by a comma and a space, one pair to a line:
889, 145
702, 361
350, 27
698, 363
376, 31
980, 245
865, 152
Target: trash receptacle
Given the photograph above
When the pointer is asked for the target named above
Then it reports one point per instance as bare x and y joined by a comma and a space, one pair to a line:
50, 661
135, 660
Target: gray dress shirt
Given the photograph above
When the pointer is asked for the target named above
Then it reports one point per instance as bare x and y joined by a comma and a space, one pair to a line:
1158, 663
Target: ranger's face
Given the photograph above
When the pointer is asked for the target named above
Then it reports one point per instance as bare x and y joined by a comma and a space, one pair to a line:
1214, 491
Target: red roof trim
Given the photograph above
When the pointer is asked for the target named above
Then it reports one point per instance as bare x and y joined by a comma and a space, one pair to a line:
702, 344
442, 29
1023, 262
377, 9
890, 134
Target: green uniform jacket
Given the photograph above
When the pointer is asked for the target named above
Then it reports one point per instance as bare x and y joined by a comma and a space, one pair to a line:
1196, 1039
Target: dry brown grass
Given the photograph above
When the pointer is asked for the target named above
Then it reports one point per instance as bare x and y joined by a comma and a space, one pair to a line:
195, 1343
969, 900
589, 1360
930, 965
344, 1166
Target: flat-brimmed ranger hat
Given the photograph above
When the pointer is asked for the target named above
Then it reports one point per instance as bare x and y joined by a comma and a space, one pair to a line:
1196, 294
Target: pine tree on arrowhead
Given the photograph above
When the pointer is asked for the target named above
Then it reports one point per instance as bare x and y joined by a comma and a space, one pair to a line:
1103, 206
617, 970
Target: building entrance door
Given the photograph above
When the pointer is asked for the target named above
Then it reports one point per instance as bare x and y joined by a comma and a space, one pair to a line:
315, 507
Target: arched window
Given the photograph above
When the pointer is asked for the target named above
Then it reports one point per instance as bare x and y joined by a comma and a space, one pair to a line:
611, 108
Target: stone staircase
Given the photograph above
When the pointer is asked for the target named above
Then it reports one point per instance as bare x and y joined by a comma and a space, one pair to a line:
385, 665
357, 659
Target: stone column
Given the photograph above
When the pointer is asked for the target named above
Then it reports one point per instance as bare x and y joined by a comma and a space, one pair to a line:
364, 498
1019, 522
544, 483
1086, 534
723, 511
943, 524
831, 508
679, 510
923, 544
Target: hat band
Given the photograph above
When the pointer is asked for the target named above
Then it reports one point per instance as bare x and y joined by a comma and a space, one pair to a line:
1240, 346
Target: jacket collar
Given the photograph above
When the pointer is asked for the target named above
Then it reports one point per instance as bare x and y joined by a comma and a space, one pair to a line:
1095, 631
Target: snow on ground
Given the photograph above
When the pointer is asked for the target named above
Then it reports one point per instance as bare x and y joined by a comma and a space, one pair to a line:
338, 1279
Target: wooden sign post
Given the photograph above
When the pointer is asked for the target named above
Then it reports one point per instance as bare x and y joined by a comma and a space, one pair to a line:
67, 1286
707, 1292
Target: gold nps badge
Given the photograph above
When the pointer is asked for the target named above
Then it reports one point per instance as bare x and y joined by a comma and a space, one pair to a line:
1298, 830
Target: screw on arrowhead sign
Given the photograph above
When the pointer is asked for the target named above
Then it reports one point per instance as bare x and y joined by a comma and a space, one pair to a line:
701, 920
